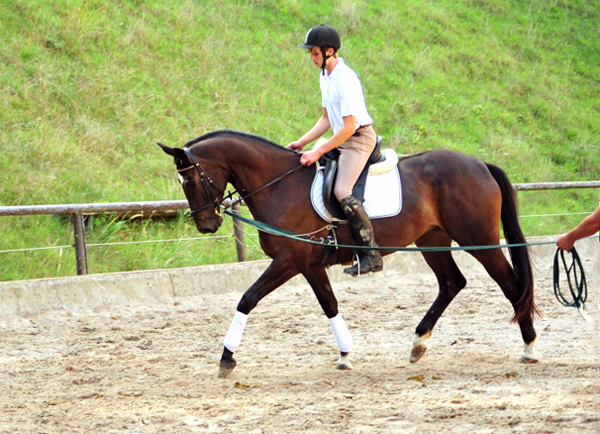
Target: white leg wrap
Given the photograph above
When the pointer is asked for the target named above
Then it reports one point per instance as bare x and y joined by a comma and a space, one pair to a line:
529, 355
342, 333
419, 341
233, 338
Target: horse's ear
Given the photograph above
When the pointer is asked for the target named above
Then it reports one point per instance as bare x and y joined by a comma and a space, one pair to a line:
178, 154
167, 150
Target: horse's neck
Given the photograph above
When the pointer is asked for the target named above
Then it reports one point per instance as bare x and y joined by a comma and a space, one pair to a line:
253, 167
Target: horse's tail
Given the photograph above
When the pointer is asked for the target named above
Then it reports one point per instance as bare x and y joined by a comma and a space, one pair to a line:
519, 255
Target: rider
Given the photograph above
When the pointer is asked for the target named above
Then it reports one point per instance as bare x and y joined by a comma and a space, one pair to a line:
345, 112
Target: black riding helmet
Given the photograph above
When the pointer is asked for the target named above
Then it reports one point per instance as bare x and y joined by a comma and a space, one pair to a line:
322, 36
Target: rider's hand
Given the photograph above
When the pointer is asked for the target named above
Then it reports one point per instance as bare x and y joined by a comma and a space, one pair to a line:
296, 146
309, 157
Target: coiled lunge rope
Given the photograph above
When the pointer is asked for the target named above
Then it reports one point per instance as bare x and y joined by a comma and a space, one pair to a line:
575, 277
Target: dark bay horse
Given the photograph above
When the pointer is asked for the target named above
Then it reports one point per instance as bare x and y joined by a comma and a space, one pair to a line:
446, 196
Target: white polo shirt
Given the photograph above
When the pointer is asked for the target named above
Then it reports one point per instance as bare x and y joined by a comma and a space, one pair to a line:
342, 96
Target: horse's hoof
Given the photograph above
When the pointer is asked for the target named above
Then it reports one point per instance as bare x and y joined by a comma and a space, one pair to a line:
225, 368
529, 360
345, 366
417, 353
343, 363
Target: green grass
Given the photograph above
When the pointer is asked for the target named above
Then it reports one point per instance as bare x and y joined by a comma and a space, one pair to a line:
88, 87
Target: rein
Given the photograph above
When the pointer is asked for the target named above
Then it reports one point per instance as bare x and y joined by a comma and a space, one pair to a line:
268, 184
207, 183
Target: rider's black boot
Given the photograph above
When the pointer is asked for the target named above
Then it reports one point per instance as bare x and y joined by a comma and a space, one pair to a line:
362, 231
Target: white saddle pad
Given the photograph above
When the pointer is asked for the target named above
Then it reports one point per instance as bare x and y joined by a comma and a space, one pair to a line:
383, 195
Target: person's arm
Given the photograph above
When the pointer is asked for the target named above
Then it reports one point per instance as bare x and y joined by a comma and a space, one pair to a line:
588, 227
320, 128
343, 134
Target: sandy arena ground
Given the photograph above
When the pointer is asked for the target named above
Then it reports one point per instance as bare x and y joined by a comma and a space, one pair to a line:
153, 368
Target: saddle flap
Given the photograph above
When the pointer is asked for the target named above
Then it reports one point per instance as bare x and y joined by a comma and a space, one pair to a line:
329, 200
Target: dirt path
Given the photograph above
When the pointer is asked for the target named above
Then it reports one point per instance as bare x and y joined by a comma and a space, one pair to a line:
153, 368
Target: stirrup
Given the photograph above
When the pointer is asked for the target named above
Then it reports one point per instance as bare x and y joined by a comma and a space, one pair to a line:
370, 263
356, 265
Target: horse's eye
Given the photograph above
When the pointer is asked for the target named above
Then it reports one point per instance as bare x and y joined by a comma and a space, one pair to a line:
192, 184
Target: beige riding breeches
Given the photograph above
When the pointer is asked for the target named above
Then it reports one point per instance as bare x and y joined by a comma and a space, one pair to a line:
354, 154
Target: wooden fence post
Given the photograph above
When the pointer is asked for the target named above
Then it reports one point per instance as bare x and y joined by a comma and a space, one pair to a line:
238, 231
80, 247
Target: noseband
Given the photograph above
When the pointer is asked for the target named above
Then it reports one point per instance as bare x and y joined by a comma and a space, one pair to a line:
207, 183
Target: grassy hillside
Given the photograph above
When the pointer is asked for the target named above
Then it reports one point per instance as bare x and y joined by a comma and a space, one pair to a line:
88, 87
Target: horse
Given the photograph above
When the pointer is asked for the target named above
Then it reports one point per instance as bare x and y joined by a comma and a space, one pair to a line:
446, 195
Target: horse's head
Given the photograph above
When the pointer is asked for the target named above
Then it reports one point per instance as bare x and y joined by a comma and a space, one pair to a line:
203, 189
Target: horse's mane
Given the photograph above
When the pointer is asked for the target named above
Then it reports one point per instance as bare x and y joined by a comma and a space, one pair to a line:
235, 133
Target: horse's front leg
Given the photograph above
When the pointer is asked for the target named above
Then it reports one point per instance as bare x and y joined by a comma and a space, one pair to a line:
319, 282
276, 274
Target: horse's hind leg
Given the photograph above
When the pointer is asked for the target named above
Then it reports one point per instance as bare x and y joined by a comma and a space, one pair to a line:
450, 281
319, 282
501, 271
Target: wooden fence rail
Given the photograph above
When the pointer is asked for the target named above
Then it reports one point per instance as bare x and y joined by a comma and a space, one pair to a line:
78, 211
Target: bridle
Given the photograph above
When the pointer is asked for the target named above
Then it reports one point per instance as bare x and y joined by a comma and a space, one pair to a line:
207, 183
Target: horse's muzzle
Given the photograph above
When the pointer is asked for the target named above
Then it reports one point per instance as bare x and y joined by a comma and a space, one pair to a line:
209, 225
